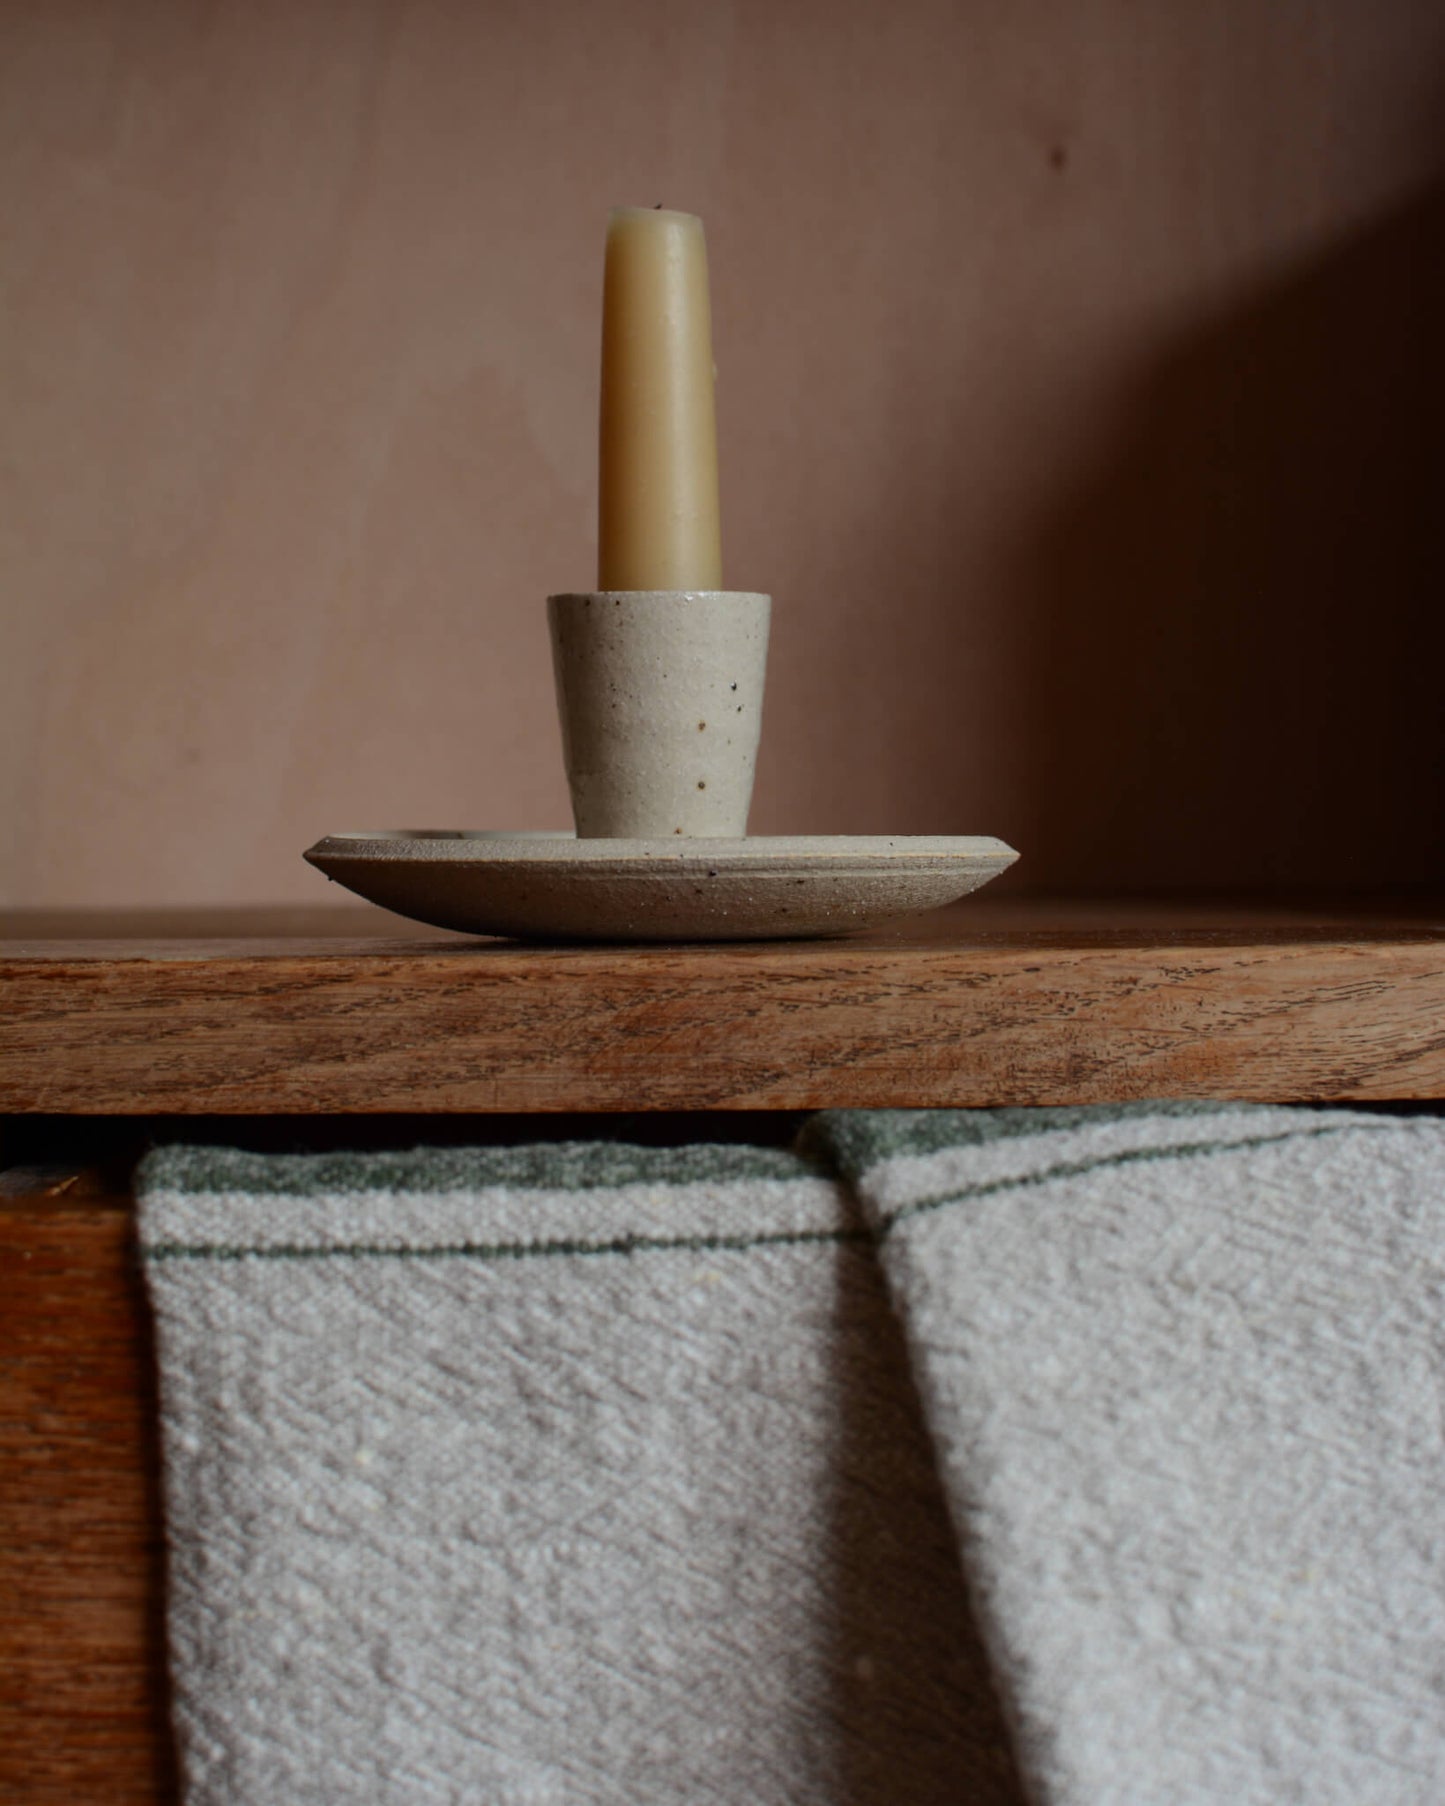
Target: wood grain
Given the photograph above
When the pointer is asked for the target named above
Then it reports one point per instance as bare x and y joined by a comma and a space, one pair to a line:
1021, 1004
82, 1669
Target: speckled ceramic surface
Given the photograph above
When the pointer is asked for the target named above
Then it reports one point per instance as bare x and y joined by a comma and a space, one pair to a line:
542, 887
660, 697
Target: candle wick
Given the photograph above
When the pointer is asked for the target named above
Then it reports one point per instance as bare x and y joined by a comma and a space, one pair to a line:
657, 206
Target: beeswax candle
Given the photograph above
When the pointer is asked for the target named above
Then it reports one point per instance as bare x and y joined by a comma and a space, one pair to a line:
657, 516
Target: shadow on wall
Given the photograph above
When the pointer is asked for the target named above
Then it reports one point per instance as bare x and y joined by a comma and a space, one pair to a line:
1233, 631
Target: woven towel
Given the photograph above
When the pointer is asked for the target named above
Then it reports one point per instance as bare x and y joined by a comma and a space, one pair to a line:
554, 1475
1184, 1369
587, 1474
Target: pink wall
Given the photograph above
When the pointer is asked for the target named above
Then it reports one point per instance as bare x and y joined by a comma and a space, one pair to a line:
1080, 395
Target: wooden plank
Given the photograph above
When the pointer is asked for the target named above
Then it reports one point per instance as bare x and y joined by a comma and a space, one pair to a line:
83, 1711
970, 1007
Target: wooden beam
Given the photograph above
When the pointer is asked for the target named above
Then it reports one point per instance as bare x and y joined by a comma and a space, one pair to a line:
1020, 1005
83, 1701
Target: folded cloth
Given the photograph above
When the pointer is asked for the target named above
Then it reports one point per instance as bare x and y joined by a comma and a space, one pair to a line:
1184, 1372
587, 1473
556, 1474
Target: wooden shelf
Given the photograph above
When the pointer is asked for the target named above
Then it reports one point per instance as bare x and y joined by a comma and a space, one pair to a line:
1019, 1001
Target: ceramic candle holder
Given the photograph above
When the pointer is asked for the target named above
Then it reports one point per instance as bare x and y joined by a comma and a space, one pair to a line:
660, 694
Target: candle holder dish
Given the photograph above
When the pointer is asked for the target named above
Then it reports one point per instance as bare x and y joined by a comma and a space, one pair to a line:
659, 696
557, 887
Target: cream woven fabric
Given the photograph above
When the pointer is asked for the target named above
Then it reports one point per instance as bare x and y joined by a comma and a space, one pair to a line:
583, 1473
1184, 1370
569, 1474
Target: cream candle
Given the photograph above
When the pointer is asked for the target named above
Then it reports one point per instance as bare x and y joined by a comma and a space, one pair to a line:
657, 515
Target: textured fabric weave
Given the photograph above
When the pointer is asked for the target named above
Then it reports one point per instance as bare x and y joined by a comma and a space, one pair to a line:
575, 1474
1184, 1372
550, 1475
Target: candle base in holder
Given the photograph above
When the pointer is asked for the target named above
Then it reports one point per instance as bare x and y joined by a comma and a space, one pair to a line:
660, 698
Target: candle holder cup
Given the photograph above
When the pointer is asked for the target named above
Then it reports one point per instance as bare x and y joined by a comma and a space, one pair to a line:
660, 696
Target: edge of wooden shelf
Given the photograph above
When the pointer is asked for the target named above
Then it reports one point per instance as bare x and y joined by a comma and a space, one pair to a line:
1019, 1002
